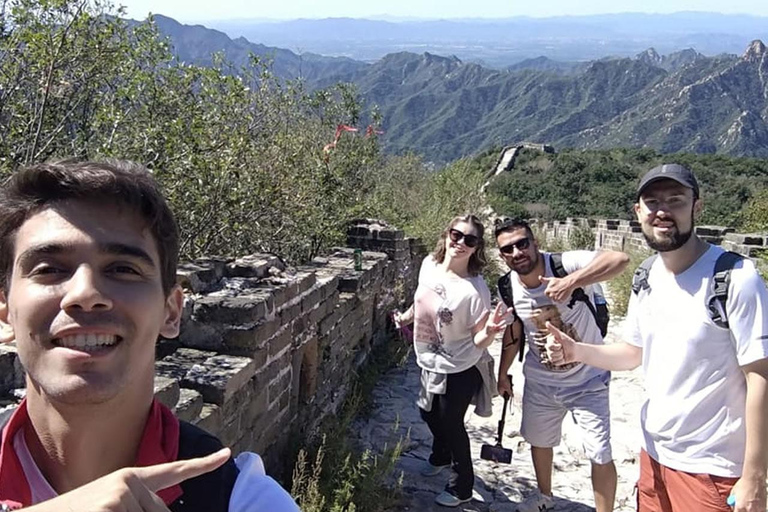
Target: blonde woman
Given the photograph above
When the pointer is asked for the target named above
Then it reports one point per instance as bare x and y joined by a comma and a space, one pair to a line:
453, 327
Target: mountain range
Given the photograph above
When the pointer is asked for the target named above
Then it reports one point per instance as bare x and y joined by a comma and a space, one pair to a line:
445, 108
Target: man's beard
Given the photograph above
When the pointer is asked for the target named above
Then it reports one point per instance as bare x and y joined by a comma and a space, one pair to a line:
530, 265
667, 243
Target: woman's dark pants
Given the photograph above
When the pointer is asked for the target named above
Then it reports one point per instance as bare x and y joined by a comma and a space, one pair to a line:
446, 421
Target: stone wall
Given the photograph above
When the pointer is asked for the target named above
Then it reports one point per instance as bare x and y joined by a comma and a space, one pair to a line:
625, 235
265, 351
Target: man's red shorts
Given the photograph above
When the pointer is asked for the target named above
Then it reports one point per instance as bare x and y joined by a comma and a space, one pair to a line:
662, 489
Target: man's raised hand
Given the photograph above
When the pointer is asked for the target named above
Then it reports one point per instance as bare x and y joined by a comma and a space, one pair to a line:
132, 489
557, 289
560, 347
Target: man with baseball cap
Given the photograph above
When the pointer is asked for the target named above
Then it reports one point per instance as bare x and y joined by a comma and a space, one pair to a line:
700, 329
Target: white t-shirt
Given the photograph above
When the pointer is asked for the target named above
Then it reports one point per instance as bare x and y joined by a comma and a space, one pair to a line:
693, 419
534, 308
446, 309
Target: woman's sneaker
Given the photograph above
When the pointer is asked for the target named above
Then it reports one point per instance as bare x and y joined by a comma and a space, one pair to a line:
449, 499
430, 470
536, 502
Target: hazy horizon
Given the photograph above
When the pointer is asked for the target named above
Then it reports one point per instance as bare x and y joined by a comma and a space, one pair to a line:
196, 11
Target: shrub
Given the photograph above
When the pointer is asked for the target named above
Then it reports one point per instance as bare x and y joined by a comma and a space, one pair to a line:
620, 287
581, 238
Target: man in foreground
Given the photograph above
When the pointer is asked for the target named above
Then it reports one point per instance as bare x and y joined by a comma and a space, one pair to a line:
88, 255
705, 359
553, 391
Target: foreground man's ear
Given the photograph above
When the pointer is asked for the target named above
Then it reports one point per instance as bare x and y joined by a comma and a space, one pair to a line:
174, 304
6, 330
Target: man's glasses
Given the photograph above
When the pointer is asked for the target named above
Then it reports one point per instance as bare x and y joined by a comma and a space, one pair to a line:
457, 236
520, 245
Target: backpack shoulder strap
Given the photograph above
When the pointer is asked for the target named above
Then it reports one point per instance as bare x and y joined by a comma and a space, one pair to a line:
721, 279
640, 279
209, 492
505, 289
556, 262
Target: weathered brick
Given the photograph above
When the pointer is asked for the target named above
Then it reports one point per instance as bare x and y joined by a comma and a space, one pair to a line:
230, 432
254, 265
176, 365
7, 409
245, 339
255, 408
167, 391
219, 377
232, 310
11, 371
202, 274
280, 386
189, 406
290, 311
311, 299
209, 419
203, 336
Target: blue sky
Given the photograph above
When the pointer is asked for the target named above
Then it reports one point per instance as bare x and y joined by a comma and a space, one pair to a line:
200, 10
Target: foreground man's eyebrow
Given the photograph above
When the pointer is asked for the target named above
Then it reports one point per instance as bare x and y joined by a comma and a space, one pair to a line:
115, 248
119, 249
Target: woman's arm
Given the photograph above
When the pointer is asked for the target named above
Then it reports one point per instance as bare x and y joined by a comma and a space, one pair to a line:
405, 318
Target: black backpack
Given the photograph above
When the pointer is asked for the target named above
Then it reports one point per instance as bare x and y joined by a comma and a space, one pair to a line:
721, 278
597, 305
209, 492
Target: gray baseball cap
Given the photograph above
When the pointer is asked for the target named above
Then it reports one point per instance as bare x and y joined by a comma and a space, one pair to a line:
675, 172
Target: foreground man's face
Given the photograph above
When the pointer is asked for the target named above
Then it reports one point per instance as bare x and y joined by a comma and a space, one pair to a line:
85, 303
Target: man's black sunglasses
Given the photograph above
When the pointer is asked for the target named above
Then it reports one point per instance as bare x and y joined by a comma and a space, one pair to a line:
521, 245
457, 236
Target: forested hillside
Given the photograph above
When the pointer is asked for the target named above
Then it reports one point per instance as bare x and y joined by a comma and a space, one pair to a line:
602, 183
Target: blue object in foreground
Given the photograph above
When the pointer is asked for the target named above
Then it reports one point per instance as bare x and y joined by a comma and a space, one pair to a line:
731, 501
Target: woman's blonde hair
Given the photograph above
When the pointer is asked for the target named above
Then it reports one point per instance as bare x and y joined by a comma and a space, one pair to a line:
477, 260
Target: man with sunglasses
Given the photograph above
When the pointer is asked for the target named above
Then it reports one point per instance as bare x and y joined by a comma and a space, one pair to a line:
704, 358
552, 391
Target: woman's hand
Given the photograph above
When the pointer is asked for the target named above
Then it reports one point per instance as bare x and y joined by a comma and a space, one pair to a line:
498, 320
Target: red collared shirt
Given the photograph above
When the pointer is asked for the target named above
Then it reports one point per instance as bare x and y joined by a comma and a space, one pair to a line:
159, 444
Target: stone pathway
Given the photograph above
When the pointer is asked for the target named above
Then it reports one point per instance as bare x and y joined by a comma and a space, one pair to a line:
499, 488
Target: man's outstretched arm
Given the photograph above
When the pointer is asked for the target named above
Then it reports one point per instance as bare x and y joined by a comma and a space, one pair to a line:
750, 490
562, 349
604, 266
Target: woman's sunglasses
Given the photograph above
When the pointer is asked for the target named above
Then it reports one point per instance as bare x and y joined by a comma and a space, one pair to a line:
457, 236
520, 245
